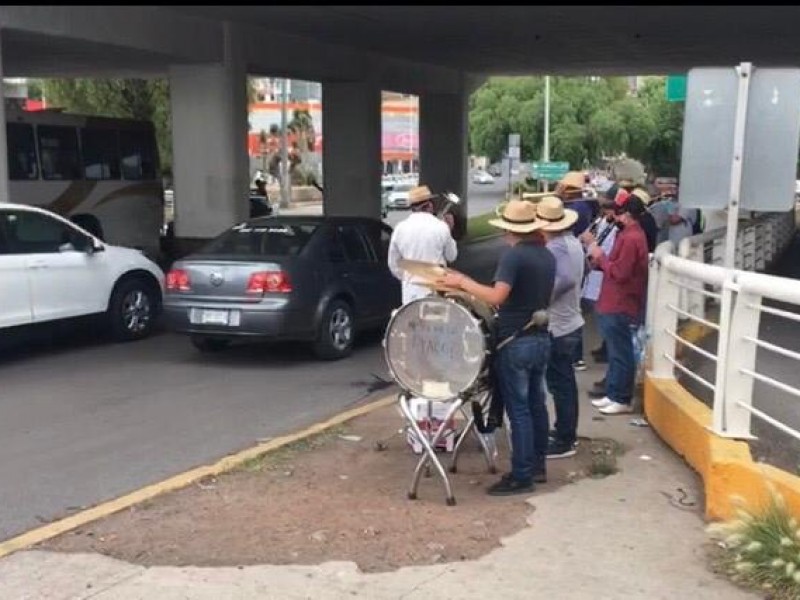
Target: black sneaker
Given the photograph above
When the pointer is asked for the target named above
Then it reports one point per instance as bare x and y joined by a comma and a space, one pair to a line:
596, 393
508, 486
561, 450
538, 477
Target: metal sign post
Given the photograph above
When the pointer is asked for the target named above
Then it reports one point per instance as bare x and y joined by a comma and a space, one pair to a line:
743, 71
513, 152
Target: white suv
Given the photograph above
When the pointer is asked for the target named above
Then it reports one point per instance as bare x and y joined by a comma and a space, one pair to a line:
51, 269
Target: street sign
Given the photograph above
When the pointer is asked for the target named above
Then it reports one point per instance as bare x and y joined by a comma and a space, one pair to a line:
550, 171
676, 88
513, 152
513, 140
770, 147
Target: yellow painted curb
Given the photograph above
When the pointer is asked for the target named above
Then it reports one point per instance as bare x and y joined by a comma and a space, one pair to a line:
227, 463
726, 466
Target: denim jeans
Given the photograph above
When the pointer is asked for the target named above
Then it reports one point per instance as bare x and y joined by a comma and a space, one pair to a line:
562, 385
620, 376
521, 365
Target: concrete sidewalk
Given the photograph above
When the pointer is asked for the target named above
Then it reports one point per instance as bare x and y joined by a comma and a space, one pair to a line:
634, 535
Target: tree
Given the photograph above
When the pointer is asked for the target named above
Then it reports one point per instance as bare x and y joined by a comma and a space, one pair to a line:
590, 118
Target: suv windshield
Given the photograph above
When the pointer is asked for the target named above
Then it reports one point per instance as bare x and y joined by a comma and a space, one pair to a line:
268, 239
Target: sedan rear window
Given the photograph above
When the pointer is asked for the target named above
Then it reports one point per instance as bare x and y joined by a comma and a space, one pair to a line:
275, 239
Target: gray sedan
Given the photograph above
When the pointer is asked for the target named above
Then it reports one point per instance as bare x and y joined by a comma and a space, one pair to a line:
314, 279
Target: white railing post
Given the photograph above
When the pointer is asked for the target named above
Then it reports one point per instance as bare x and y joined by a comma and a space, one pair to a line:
662, 317
691, 301
730, 419
719, 421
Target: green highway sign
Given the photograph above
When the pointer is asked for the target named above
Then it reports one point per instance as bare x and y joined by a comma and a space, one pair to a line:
550, 171
676, 88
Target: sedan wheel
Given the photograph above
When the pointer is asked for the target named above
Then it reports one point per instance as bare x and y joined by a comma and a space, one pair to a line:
335, 337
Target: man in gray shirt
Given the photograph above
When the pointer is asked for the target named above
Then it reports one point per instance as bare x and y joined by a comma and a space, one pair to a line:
566, 321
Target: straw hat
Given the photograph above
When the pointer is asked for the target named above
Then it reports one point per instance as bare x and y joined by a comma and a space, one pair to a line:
419, 194
642, 195
553, 216
519, 216
574, 180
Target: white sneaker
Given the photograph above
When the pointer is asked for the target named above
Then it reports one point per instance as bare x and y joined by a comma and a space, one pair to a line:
602, 402
615, 408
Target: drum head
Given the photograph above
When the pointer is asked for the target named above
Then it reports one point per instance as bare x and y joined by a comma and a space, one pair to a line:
435, 348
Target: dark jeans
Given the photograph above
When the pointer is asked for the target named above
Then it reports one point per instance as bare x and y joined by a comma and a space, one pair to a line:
563, 386
521, 365
620, 376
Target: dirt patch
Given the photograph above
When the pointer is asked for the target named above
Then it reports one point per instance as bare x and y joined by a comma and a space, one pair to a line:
330, 498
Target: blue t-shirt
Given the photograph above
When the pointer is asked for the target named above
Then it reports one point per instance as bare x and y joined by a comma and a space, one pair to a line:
587, 210
530, 269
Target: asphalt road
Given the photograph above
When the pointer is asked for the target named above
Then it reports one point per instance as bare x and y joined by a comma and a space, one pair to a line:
481, 199
82, 421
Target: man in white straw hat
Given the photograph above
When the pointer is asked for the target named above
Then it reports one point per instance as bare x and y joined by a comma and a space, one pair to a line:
420, 237
522, 288
566, 321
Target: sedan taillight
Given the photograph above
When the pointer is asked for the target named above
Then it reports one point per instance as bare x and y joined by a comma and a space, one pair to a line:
269, 282
178, 281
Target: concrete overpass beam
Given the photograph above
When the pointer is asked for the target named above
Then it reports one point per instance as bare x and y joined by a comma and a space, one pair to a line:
443, 142
209, 141
351, 153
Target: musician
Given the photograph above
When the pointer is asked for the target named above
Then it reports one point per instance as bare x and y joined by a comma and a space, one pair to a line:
421, 236
620, 306
566, 321
522, 288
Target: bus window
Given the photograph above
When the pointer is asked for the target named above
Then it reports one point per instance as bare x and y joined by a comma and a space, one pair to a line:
58, 149
22, 164
138, 155
100, 153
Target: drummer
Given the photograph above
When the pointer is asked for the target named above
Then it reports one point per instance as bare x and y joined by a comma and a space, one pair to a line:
421, 236
522, 287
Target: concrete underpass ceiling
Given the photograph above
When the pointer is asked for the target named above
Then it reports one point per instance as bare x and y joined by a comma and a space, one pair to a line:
27, 54
516, 40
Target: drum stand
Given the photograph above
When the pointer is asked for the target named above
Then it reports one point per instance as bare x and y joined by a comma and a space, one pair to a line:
429, 440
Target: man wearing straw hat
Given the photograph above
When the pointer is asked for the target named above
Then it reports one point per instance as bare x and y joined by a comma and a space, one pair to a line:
421, 237
566, 321
522, 288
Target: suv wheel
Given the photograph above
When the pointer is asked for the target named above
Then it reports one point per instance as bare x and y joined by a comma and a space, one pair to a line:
132, 310
336, 331
209, 344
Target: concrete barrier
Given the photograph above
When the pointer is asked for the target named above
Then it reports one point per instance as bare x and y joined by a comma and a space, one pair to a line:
726, 466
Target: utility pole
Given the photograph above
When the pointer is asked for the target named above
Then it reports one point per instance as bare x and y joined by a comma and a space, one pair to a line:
546, 149
284, 170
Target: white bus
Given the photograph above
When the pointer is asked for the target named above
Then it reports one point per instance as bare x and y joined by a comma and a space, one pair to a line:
101, 172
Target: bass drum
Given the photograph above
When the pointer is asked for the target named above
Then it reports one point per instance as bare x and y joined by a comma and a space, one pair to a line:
438, 347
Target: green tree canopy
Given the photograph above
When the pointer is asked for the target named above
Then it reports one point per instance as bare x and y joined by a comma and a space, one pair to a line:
590, 118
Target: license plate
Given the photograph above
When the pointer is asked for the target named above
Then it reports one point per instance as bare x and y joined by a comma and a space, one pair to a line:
214, 317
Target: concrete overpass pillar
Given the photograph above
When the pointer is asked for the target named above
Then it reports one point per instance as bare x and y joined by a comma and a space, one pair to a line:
351, 151
209, 144
4, 197
443, 142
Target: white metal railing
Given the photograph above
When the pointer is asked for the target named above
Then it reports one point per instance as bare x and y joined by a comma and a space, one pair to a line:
679, 287
759, 243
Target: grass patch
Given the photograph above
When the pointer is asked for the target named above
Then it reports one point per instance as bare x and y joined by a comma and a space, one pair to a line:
278, 458
478, 227
604, 455
761, 549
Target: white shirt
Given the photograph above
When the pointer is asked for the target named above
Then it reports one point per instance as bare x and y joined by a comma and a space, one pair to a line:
421, 236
